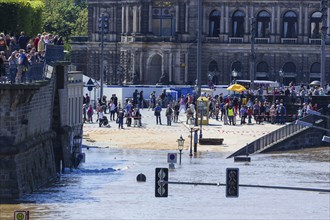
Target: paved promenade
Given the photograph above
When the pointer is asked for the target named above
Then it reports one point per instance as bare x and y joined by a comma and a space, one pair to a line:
163, 137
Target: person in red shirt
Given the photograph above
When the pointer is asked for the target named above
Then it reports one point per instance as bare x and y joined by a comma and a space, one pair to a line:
36, 41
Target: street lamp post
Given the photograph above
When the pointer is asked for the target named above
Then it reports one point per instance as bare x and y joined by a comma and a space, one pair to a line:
192, 130
180, 146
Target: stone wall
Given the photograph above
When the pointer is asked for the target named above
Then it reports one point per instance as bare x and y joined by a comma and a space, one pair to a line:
26, 167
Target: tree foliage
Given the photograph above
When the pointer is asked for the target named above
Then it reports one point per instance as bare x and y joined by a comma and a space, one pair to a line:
65, 17
20, 15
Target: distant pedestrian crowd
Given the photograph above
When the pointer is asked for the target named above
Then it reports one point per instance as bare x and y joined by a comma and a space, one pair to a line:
17, 55
244, 108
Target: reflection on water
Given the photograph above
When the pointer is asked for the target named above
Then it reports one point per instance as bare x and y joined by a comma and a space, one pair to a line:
105, 187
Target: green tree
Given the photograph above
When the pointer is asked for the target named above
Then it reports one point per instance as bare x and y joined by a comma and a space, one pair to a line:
65, 17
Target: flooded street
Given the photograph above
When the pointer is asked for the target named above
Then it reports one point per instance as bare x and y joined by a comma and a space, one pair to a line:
105, 187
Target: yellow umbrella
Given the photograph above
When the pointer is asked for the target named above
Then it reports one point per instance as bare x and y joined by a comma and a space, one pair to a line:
236, 88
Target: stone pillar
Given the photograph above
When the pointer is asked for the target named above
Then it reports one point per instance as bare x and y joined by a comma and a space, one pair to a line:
135, 19
187, 19
170, 72
227, 19
123, 19
306, 22
177, 17
150, 17
127, 19
141, 66
248, 14
278, 31
300, 20
139, 19
186, 67
273, 21
222, 20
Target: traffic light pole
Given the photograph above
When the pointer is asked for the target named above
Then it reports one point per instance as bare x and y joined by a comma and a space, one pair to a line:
102, 57
324, 8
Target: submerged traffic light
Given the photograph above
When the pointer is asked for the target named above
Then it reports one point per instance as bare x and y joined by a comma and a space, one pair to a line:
232, 182
161, 185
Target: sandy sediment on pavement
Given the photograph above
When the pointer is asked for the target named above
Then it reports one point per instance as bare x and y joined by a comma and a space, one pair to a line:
164, 137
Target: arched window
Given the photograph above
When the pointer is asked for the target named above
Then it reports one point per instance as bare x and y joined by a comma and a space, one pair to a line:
289, 68
315, 68
262, 67
214, 20
237, 66
263, 24
316, 24
238, 24
262, 71
213, 72
290, 25
163, 22
213, 66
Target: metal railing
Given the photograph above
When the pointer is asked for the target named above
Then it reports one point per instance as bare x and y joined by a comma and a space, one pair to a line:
273, 137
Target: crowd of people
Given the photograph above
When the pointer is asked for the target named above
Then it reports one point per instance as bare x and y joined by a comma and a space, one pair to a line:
18, 54
244, 108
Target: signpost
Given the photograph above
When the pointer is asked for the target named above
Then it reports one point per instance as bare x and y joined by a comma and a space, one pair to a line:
172, 159
21, 215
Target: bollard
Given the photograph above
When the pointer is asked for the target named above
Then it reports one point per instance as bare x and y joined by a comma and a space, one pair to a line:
141, 178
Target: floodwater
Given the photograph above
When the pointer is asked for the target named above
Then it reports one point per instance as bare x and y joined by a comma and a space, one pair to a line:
105, 187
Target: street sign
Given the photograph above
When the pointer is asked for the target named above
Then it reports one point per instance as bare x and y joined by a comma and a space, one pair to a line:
172, 157
232, 182
21, 215
90, 85
161, 185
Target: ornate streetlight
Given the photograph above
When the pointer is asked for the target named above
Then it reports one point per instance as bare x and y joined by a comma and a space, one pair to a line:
180, 146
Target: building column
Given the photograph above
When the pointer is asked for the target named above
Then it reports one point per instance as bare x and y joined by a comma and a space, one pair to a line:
272, 23
177, 17
141, 65
150, 17
123, 22
186, 67
139, 18
227, 19
222, 20
278, 31
300, 19
306, 22
134, 19
328, 22
249, 14
127, 18
186, 18
170, 71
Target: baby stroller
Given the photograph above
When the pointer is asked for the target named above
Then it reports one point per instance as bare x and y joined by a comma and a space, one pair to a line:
105, 122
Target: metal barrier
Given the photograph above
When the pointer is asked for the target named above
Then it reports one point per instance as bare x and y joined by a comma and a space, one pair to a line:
274, 137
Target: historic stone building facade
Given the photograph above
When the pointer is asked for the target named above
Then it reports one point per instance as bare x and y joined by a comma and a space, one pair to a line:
146, 40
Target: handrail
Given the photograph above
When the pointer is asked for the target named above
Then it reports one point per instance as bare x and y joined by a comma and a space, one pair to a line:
273, 137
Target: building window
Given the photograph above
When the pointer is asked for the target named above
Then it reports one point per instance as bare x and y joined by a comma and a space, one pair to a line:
238, 24
316, 25
290, 25
262, 71
289, 70
214, 20
263, 24
316, 68
163, 22
262, 67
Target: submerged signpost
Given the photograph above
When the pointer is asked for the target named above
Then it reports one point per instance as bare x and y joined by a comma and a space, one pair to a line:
232, 184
